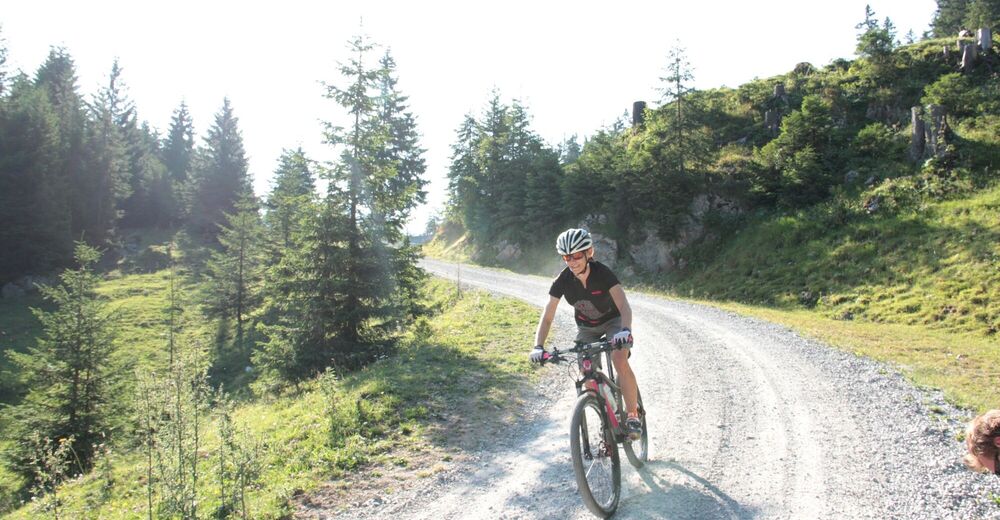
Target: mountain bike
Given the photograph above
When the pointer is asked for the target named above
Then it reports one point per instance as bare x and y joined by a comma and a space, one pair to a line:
598, 427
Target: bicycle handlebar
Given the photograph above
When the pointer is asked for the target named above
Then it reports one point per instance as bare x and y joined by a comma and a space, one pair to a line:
596, 347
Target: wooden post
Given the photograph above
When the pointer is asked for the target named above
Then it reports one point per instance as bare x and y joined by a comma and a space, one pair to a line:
638, 114
985, 39
936, 130
969, 55
772, 120
917, 138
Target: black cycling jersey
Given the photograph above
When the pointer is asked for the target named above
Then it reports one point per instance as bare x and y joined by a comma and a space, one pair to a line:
593, 303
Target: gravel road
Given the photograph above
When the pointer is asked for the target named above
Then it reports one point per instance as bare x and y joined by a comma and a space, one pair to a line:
747, 420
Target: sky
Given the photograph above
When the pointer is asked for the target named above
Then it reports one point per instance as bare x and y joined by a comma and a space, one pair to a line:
577, 66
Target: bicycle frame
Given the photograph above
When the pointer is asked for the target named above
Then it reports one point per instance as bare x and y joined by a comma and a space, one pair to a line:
593, 379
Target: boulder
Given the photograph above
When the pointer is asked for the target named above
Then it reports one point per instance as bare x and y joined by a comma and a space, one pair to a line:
508, 251
653, 255
605, 250
11, 290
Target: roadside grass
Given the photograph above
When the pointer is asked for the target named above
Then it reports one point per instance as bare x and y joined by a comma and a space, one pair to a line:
965, 367
458, 250
463, 361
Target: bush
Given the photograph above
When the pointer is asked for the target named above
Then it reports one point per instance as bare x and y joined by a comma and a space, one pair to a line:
956, 93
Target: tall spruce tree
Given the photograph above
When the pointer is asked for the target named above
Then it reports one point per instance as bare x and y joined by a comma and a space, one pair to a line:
982, 13
293, 188
178, 159
35, 235
68, 375
398, 186
464, 195
221, 175
304, 334
363, 170
235, 272
949, 17
4, 80
105, 169
139, 205
57, 77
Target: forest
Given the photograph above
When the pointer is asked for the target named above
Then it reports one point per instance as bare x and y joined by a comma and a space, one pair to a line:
263, 296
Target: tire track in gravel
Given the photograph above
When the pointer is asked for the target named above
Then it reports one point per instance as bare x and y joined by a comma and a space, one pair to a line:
747, 420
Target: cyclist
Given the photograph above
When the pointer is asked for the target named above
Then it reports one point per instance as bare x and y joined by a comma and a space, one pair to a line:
601, 309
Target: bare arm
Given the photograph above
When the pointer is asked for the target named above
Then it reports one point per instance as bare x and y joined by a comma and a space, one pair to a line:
618, 295
545, 322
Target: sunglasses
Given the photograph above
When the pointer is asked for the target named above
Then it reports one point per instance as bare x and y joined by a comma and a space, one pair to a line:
574, 256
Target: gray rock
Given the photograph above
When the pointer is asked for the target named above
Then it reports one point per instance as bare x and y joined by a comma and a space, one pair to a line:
508, 251
11, 290
605, 250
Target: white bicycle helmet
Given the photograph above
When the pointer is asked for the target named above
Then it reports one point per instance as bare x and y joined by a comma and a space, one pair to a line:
573, 240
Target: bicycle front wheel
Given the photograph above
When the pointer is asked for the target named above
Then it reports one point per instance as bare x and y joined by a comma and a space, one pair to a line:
595, 457
637, 452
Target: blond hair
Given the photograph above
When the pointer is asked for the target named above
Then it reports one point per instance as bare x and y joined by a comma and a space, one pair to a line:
979, 439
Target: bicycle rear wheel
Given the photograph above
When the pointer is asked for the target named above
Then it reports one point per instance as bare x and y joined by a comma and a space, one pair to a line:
595, 457
637, 452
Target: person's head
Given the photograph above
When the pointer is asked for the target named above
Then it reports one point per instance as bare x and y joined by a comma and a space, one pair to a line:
982, 438
576, 247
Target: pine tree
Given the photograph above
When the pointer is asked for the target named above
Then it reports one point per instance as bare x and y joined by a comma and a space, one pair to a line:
57, 77
293, 188
949, 17
3, 65
875, 42
400, 164
68, 374
235, 272
105, 170
684, 143
35, 235
139, 204
307, 304
363, 170
982, 13
569, 150
178, 159
464, 195
221, 176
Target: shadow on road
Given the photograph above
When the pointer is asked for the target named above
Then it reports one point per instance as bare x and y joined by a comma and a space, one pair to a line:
673, 491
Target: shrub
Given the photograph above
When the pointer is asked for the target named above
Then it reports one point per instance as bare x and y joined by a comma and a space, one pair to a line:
956, 93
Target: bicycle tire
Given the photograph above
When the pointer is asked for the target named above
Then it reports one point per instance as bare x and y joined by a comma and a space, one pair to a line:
638, 457
595, 466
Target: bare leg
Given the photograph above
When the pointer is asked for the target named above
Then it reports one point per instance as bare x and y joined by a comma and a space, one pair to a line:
626, 379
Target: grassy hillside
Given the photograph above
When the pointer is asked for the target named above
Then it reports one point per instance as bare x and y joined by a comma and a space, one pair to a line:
451, 374
918, 288
935, 267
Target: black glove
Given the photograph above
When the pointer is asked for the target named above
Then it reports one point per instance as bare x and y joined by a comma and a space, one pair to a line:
537, 354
